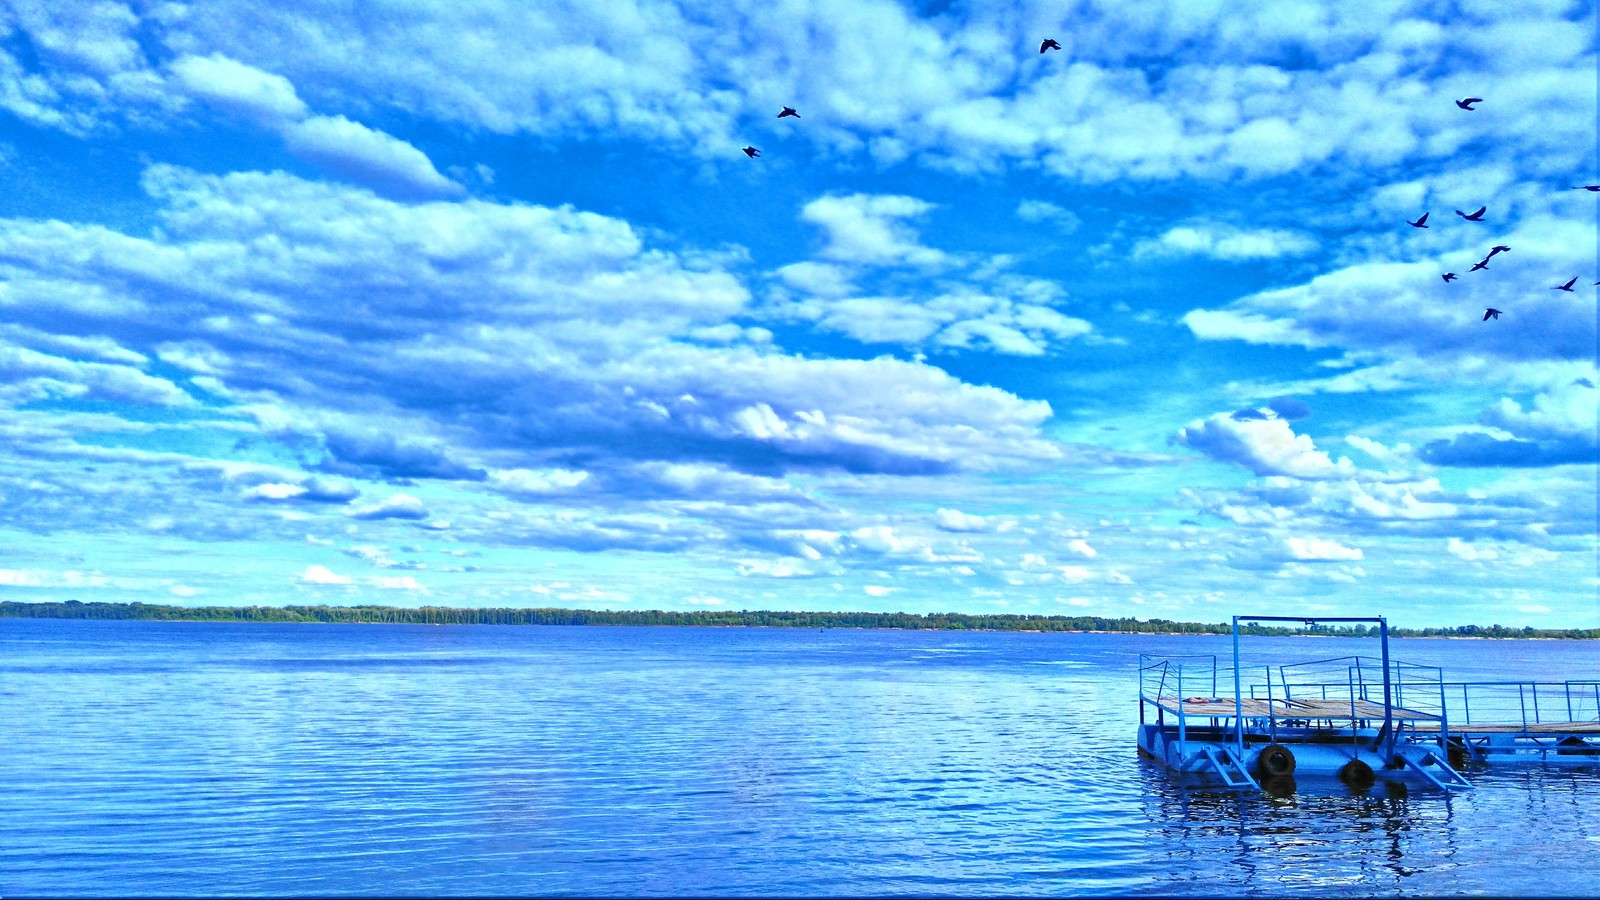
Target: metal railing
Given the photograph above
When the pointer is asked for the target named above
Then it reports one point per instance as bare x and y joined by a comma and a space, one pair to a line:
1523, 703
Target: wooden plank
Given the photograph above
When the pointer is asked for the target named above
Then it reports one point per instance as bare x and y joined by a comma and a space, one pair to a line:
1515, 728
1257, 708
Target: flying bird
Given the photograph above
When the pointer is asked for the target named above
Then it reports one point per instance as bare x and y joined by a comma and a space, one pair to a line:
1474, 216
1498, 248
788, 111
1467, 102
1491, 313
1480, 264
752, 152
1566, 287
1448, 276
1049, 44
1420, 223
1587, 187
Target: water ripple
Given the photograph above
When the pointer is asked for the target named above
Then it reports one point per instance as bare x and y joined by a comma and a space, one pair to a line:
176, 759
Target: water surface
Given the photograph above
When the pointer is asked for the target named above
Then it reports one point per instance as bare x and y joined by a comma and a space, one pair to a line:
168, 758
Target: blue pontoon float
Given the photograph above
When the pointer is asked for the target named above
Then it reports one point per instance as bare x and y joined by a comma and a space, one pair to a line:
1337, 718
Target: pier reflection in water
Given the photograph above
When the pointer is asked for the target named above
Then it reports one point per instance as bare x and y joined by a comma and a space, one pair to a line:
1326, 839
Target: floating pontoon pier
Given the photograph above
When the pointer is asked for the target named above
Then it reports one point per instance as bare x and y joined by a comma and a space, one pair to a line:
1354, 718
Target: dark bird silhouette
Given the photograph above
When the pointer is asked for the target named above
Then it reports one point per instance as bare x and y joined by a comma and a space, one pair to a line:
752, 152
1587, 187
1497, 248
1480, 264
1473, 216
788, 111
1491, 313
1049, 44
1448, 276
1467, 102
1566, 287
1420, 223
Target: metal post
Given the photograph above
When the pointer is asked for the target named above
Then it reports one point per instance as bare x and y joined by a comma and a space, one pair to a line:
1272, 720
1238, 696
1183, 719
1388, 712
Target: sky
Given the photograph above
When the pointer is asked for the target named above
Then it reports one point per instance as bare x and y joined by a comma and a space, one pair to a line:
481, 304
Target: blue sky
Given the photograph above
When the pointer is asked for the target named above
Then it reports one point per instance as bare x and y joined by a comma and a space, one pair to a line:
481, 304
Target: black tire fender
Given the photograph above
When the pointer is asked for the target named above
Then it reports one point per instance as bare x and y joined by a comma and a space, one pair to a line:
1275, 760
1357, 774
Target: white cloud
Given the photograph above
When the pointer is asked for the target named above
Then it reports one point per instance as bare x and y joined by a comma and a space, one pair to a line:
774, 568
395, 583
1470, 552
233, 86
315, 574
275, 491
956, 520
369, 157
1082, 548
1064, 220
1320, 549
868, 229
1263, 443
396, 506
501, 297
1225, 242
529, 482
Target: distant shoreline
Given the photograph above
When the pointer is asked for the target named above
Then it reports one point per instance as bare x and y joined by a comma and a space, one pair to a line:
1032, 624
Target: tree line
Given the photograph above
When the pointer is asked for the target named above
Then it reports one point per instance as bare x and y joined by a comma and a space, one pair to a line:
444, 615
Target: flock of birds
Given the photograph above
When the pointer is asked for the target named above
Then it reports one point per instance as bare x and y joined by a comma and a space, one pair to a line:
1466, 103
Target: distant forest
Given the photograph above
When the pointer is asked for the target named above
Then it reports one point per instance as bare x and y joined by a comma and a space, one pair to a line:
441, 615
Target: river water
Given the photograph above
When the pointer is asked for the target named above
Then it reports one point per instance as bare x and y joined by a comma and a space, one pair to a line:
174, 759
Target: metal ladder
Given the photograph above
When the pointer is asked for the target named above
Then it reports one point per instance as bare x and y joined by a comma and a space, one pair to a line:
1452, 777
1229, 760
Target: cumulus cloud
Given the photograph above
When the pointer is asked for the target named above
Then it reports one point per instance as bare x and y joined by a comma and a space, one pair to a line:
859, 289
275, 491
956, 520
1385, 314
334, 143
315, 574
1257, 93
558, 329
1225, 242
395, 583
1264, 444
1469, 551
1320, 549
235, 87
368, 157
528, 482
1558, 427
1064, 220
396, 506
869, 229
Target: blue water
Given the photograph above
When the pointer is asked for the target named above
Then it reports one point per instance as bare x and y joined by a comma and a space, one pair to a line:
153, 758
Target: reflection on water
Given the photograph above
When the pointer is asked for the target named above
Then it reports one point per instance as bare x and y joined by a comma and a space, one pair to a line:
1519, 832
1319, 839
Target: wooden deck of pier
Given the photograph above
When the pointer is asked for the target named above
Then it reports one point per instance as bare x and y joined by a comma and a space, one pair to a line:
1550, 728
1254, 707
1260, 708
